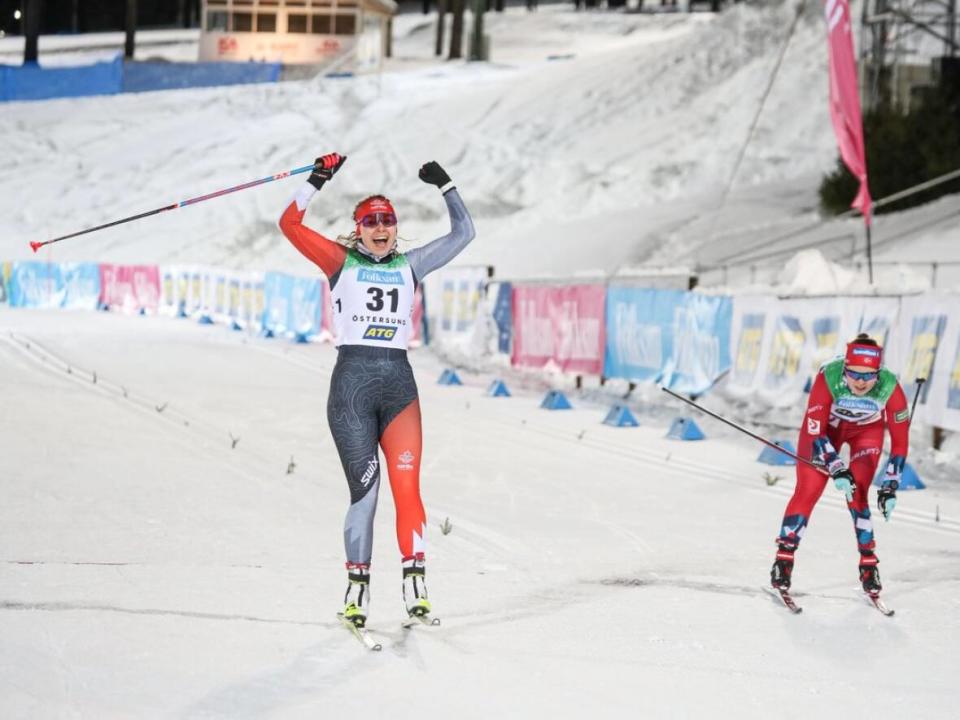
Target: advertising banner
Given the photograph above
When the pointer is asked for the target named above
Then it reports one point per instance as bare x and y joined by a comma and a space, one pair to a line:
81, 282
928, 336
4, 277
562, 325
503, 316
780, 344
36, 285
671, 337
130, 288
700, 343
452, 297
292, 305
639, 329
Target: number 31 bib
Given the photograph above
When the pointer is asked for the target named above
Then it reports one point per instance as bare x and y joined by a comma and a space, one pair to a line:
373, 302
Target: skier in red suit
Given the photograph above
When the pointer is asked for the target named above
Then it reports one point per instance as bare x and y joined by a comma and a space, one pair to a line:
852, 401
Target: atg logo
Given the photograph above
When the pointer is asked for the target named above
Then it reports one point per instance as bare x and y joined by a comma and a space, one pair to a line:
381, 277
379, 332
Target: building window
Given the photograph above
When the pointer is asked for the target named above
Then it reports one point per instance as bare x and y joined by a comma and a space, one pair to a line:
217, 21
322, 25
266, 22
296, 23
242, 22
346, 24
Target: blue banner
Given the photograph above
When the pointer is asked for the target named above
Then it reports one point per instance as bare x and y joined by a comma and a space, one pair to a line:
82, 285
953, 388
639, 327
292, 305
503, 316
49, 285
676, 338
701, 343
36, 284
306, 308
4, 270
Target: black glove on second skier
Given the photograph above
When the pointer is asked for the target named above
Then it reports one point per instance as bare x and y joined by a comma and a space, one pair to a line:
433, 174
324, 168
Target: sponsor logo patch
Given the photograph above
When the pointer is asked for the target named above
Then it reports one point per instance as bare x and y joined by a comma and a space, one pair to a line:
381, 277
369, 472
406, 460
864, 453
379, 332
901, 416
867, 352
813, 426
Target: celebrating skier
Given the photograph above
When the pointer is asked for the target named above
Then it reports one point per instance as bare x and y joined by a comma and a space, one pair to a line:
373, 396
852, 400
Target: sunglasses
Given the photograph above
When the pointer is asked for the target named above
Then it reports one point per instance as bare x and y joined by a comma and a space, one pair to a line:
378, 218
854, 375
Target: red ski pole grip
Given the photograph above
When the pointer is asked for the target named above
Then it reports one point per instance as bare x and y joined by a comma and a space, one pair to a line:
36, 246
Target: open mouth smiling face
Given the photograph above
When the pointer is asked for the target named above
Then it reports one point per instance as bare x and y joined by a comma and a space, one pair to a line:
378, 233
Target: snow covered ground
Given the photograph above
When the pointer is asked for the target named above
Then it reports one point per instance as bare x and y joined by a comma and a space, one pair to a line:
149, 570
589, 161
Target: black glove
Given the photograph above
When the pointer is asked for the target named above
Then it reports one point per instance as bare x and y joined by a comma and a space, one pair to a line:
432, 173
324, 168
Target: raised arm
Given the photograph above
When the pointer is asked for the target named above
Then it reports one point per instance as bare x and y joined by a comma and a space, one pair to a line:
439, 252
325, 253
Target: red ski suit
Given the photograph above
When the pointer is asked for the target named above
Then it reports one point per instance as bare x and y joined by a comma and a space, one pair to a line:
866, 443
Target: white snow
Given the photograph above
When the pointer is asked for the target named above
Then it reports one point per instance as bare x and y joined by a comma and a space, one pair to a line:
147, 569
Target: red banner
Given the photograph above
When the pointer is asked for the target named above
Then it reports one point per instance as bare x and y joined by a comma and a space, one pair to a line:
130, 288
560, 324
845, 99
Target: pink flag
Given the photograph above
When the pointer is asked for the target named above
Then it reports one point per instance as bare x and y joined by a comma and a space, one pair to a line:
845, 99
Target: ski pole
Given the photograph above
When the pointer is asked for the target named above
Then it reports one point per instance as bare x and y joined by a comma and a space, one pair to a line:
747, 432
916, 394
192, 201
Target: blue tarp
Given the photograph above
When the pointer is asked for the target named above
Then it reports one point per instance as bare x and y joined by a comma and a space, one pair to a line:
148, 76
35, 82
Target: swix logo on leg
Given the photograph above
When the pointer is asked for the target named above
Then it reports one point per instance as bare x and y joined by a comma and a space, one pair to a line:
369, 472
406, 460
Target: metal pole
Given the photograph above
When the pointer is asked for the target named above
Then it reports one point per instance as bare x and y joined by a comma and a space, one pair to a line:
192, 201
131, 28
869, 256
31, 30
732, 424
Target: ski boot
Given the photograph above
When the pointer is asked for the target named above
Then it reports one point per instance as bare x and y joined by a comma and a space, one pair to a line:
782, 570
357, 598
415, 587
870, 578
